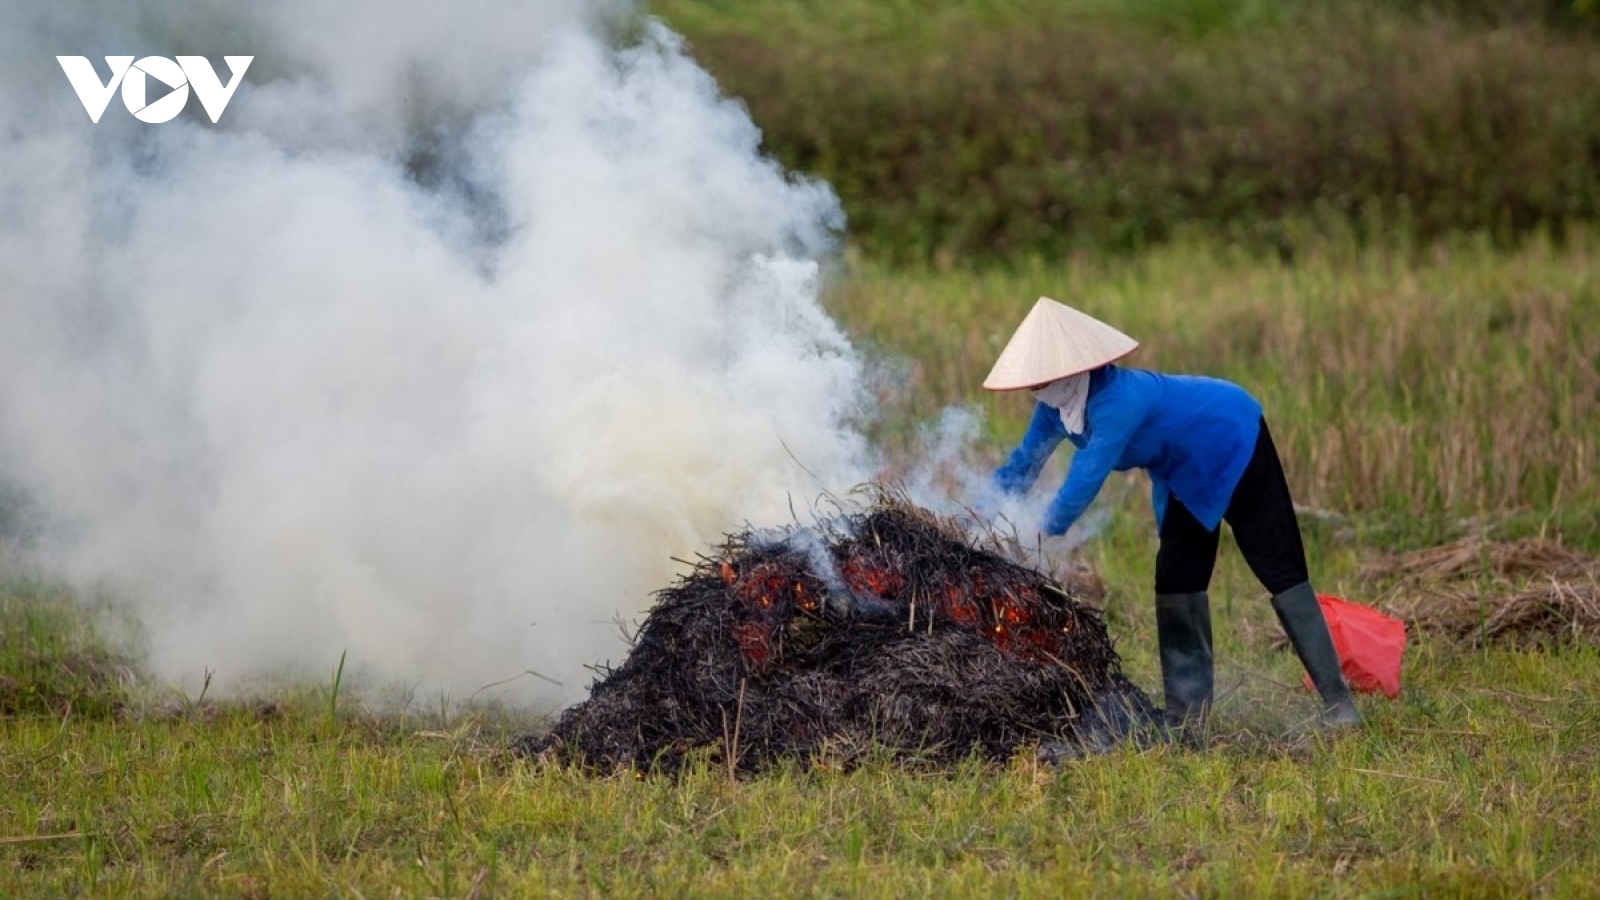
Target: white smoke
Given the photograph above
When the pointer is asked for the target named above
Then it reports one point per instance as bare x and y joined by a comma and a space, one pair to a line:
946, 478
463, 321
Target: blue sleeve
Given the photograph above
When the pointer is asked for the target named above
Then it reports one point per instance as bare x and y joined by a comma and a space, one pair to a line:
1110, 430
1022, 468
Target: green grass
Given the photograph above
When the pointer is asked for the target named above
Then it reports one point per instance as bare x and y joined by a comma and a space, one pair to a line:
53, 662
1481, 780
1419, 392
986, 129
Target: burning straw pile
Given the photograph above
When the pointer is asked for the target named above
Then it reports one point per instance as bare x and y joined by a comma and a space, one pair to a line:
882, 629
1478, 590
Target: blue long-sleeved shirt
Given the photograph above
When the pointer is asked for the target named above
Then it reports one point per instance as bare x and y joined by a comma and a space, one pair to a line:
1193, 435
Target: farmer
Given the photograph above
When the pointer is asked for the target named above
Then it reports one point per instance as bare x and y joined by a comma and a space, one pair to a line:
1205, 445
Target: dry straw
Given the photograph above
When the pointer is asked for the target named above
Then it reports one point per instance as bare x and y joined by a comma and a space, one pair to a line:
886, 630
1480, 590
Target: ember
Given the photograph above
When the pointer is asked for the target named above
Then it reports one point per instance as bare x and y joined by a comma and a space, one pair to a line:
886, 628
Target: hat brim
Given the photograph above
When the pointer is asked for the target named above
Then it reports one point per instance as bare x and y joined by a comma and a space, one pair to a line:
1036, 384
1055, 341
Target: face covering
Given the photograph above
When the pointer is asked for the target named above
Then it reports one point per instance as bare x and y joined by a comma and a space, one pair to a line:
1070, 397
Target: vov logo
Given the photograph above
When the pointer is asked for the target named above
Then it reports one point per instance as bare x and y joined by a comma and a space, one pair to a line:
188, 71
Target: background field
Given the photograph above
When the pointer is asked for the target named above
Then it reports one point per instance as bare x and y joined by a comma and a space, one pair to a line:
986, 129
1376, 217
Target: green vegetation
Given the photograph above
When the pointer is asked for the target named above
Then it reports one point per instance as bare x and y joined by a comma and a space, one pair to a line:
1320, 196
52, 661
1479, 781
1414, 389
984, 129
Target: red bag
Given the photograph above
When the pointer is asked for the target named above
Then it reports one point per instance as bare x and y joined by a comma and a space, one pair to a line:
1369, 644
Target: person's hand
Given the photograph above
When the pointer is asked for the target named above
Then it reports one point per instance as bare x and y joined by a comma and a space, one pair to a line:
1061, 545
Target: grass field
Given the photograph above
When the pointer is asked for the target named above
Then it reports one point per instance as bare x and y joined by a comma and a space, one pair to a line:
1418, 395
1272, 192
1417, 389
991, 128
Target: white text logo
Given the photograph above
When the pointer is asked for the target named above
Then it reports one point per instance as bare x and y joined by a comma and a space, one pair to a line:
188, 71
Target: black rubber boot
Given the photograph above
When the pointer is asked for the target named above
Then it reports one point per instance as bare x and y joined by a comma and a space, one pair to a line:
1183, 626
1301, 617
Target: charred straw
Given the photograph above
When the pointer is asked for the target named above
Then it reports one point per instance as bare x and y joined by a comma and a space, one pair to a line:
883, 630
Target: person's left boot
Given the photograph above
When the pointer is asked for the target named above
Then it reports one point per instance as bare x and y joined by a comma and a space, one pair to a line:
1301, 616
1183, 631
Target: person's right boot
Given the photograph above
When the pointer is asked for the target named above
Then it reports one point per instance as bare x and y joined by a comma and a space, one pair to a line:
1183, 628
1301, 616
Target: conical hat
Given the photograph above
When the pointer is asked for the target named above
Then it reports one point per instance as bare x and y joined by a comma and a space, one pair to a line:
1055, 341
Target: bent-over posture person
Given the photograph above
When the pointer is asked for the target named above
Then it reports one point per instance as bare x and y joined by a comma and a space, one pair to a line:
1210, 458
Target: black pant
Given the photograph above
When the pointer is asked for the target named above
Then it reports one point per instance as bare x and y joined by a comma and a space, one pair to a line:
1262, 517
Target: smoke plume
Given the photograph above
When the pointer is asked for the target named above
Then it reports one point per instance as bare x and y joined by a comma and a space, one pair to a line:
462, 321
